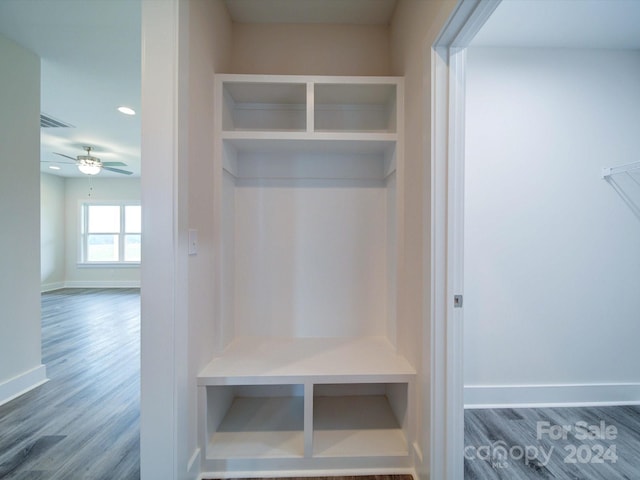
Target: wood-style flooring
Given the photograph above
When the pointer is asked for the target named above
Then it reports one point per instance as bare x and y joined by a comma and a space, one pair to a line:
84, 422
585, 443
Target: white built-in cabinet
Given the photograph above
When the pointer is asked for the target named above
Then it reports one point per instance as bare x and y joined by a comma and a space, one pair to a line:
307, 374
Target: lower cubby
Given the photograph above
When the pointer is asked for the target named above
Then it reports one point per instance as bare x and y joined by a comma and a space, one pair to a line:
306, 404
257, 421
268, 421
360, 420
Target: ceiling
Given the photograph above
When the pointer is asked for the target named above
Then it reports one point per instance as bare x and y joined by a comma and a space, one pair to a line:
90, 65
90, 53
563, 24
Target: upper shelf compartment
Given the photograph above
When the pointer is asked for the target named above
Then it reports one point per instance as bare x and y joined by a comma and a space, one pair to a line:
308, 107
355, 107
264, 106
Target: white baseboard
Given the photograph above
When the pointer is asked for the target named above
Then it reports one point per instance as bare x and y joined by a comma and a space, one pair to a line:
307, 473
21, 384
103, 284
50, 287
538, 396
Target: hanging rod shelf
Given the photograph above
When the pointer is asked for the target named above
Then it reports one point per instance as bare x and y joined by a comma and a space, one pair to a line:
608, 171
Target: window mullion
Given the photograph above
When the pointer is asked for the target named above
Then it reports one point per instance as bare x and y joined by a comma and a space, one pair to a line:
121, 235
85, 233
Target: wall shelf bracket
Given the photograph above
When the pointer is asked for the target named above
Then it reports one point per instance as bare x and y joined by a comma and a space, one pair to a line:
608, 171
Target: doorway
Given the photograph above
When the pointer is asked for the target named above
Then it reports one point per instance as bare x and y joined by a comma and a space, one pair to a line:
71, 56
607, 389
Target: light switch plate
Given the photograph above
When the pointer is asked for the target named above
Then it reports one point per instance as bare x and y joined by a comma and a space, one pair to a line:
193, 241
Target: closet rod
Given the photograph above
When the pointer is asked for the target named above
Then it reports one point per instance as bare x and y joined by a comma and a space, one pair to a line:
608, 171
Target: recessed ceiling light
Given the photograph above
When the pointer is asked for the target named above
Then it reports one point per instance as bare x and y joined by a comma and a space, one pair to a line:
54, 167
127, 110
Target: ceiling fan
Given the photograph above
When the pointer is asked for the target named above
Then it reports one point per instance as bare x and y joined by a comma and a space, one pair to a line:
90, 165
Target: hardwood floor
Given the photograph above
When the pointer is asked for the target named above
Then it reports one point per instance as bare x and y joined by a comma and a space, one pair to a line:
84, 422
561, 443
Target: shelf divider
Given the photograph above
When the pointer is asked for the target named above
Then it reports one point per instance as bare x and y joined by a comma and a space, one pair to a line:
310, 107
308, 419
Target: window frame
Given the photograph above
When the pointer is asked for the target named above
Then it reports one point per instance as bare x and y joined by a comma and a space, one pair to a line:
83, 249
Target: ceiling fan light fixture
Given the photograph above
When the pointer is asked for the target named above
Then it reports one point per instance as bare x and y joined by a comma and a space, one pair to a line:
89, 167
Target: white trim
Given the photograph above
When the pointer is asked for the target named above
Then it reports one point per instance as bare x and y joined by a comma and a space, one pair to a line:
159, 420
348, 472
108, 264
440, 432
539, 396
102, 284
21, 384
447, 149
50, 287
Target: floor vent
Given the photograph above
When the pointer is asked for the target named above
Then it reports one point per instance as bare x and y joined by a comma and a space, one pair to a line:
46, 121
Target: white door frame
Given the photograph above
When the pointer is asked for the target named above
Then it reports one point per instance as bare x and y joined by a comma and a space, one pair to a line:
164, 407
446, 240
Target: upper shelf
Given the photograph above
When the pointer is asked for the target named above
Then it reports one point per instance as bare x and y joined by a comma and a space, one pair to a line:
260, 103
608, 171
359, 143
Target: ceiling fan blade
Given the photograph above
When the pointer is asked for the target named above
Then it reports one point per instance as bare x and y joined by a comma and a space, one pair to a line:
116, 170
58, 161
66, 156
114, 164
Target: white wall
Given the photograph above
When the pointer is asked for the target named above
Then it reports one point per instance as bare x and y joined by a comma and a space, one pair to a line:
164, 315
77, 191
52, 232
552, 264
287, 253
295, 49
20, 358
415, 26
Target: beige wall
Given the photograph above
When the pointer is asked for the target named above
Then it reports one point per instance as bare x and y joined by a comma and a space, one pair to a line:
209, 49
310, 49
209, 53
414, 29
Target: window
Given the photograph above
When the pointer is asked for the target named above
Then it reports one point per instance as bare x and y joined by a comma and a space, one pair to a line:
111, 233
